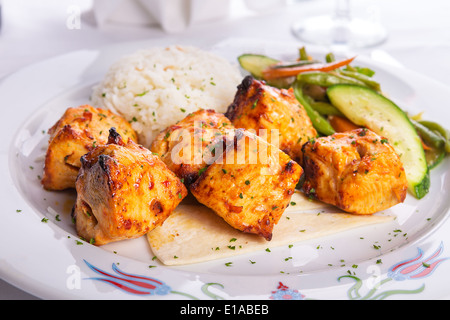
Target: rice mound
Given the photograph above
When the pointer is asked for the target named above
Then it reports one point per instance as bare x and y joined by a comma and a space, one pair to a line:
156, 87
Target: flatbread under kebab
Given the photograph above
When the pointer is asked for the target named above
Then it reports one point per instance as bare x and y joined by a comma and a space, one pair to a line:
194, 233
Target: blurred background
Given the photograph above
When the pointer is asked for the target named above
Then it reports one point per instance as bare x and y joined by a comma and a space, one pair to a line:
33, 30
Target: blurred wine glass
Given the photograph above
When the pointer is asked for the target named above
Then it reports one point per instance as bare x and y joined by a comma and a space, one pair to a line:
340, 28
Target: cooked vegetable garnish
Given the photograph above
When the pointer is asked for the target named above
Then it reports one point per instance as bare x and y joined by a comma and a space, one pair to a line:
326, 79
429, 137
439, 130
281, 65
274, 73
435, 140
368, 81
367, 108
434, 156
342, 124
256, 63
319, 122
324, 108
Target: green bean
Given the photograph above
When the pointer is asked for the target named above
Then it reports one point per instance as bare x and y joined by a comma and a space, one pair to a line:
438, 139
315, 92
362, 77
302, 54
351, 68
326, 79
322, 107
281, 83
330, 57
325, 108
366, 71
320, 123
434, 157
294, 64
437, 128
428, 135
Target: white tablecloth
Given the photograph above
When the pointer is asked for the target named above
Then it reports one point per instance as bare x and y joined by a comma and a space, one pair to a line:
33, 30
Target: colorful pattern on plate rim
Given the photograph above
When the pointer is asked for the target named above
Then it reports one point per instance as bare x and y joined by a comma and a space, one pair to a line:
142, 285
417, 267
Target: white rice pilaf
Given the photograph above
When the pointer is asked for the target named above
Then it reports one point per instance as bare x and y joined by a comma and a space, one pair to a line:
156, 87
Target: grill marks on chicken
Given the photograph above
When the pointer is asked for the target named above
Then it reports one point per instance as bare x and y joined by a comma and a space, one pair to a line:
356, 171
249, 185
123, 192
77, 132
272, 113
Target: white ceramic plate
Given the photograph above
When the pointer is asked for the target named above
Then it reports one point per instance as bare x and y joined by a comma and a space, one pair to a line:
41, 254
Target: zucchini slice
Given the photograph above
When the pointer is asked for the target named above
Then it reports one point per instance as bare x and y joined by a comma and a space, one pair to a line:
365, 107
256, 63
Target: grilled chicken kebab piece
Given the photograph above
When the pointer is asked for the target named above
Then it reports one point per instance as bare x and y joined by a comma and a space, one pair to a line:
263, 108
77, 132
356, 171
241, 177
123, 192
250, 184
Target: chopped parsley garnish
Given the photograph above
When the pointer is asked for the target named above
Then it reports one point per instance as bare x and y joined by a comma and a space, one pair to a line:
142, 94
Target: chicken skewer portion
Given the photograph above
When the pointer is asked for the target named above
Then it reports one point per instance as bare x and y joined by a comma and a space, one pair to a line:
77, 132
123, 192
250, 184
273, 114
357, 171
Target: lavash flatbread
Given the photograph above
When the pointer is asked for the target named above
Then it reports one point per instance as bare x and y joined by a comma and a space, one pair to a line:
194, 233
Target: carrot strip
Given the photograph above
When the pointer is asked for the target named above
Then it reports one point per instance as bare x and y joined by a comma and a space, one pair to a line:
341, 124
425, 147
274, 73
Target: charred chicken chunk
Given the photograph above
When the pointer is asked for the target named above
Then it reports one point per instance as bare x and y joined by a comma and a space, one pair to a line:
249, 185
356, 171
185, 146
123, 191
77, 132
273, 114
